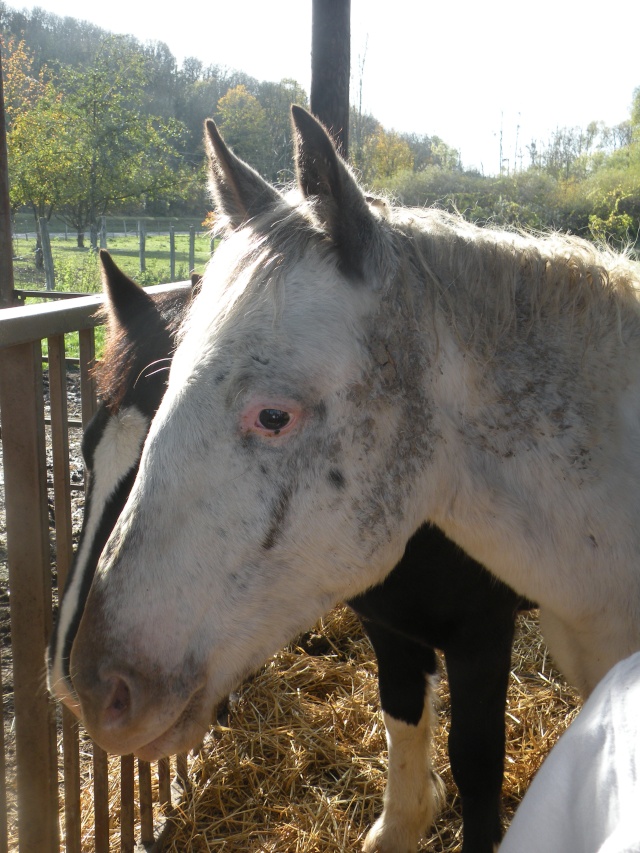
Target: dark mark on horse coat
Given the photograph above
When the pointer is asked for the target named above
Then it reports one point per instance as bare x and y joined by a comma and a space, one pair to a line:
336, 478
278, 517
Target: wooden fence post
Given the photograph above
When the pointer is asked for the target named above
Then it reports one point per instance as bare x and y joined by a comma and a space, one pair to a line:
192, 248
172, 253
47, 257
142, 235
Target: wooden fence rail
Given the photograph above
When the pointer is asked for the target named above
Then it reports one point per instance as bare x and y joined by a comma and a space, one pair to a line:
46, 770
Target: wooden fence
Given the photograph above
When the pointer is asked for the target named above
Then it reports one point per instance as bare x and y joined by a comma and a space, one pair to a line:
47, 255
43, 773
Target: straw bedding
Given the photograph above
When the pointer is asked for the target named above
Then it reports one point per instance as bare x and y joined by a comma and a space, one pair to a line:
301, 764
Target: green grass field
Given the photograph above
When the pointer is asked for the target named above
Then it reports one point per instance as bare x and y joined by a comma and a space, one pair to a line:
78, 270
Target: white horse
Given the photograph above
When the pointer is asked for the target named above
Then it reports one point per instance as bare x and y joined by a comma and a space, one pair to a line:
346, 373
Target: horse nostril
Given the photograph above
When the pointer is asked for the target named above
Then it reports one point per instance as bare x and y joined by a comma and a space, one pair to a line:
118, 702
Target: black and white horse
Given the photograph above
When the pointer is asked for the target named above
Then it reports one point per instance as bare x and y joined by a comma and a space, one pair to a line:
456, 606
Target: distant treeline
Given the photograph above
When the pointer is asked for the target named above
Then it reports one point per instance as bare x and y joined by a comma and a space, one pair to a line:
107, 124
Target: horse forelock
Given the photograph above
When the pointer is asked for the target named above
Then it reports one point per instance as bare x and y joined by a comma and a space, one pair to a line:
251, 266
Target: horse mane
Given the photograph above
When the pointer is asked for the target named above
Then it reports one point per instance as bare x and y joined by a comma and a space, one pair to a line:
495, 283
490, 283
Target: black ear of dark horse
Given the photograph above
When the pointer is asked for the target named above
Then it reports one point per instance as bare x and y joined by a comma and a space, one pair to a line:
238, 190
341, 206
126, 298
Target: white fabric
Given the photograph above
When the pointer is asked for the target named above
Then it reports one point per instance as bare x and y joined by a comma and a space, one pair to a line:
586, 796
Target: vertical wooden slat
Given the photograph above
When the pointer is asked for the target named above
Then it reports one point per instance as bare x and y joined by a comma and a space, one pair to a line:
87, 344
100, 800
23, 443
64, 556
60, 451
145, 800
164, 781
181, 769
127, 797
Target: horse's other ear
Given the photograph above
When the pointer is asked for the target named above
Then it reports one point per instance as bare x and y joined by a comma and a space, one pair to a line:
125, 298
238, 190
340, 205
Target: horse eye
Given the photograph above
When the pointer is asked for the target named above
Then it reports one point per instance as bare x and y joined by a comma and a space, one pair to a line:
273, 419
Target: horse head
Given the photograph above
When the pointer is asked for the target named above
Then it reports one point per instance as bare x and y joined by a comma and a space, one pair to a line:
276, 478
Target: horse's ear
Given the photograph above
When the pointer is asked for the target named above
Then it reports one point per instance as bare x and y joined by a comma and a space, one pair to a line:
125, 298
340, 205
238, 190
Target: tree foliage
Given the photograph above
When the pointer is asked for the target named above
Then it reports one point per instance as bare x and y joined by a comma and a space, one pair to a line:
80, 143
120, 154
100, 123
243, 123
385, 153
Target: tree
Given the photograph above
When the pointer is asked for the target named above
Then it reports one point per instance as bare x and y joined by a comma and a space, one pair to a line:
243, 123
385, 154
635, 109
38, 163
23, 85
119, 153
276, 100
37, 168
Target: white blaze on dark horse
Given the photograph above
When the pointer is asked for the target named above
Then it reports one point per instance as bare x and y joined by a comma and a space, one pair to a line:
345, 375
455, 606
140, 342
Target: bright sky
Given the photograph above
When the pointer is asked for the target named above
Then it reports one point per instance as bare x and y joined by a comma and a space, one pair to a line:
461, 70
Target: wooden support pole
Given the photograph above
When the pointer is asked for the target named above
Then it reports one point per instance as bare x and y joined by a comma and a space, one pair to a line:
330, 67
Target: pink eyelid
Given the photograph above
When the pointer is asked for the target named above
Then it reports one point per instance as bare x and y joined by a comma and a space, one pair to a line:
249, 419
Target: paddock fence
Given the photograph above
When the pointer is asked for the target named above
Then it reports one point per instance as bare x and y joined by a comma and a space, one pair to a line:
56, 787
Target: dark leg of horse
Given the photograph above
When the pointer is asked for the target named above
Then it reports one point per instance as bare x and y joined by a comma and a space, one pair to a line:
478, 673
411, 795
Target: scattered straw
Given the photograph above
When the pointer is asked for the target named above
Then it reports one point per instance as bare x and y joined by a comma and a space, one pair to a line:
301, 765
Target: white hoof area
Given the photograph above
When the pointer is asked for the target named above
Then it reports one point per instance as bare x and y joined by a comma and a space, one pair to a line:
399, 830
387, 837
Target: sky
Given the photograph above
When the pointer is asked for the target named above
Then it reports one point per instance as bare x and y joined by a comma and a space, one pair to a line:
486, 77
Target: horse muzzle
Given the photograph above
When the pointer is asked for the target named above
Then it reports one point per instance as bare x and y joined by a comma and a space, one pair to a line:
130, 704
